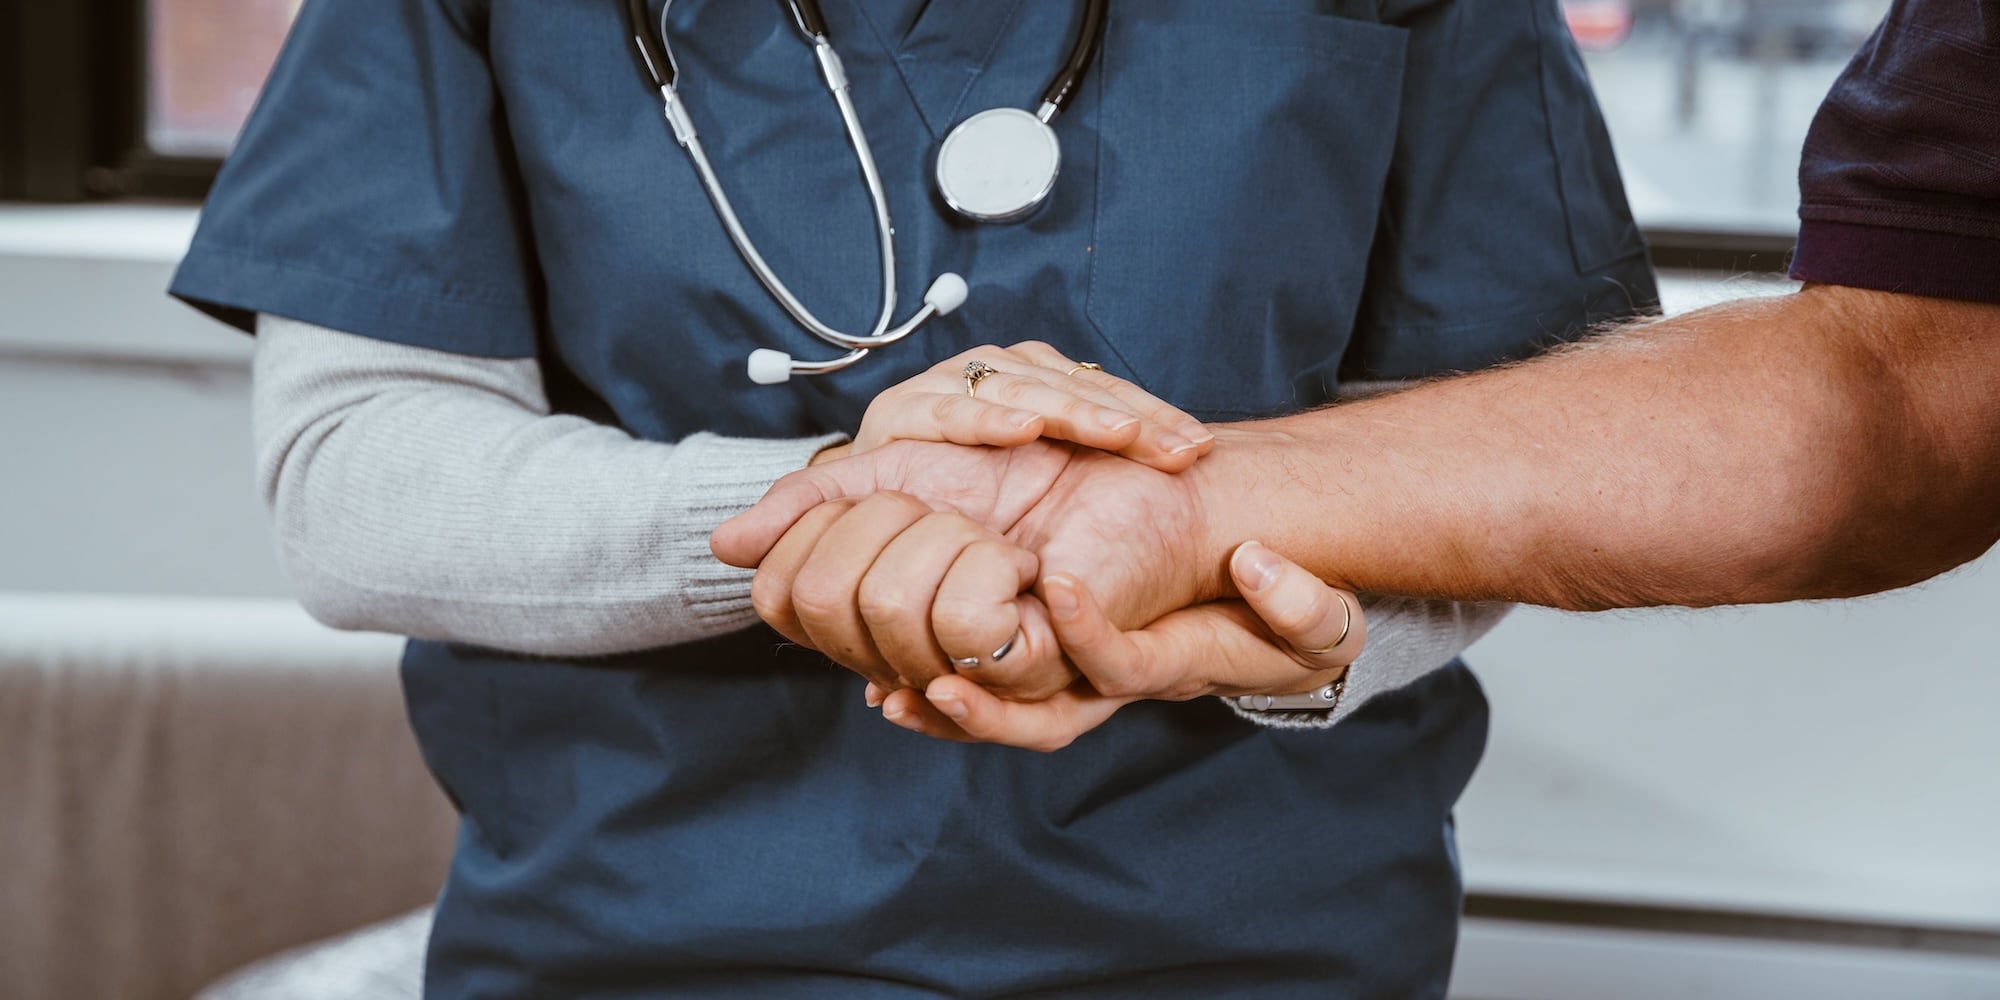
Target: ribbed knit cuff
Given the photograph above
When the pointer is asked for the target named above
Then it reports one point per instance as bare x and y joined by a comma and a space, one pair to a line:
1408, 639
1891, 259
722, 477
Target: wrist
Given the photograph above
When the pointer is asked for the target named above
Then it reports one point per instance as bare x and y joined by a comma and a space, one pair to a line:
1238, 488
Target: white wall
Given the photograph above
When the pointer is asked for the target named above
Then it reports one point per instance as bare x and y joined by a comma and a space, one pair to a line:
124, 441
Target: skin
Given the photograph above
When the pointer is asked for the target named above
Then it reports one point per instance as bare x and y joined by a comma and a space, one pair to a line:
899, 583
1825, 444
1830, 443
1036, 393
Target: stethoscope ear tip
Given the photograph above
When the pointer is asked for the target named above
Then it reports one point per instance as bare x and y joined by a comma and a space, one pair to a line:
769, 367
947, 293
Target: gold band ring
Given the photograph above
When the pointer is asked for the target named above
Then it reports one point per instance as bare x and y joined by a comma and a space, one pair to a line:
974, 372
1085, 366
1346, 625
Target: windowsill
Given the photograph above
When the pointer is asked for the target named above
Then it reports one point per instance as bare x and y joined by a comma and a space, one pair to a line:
89, 283
127, 232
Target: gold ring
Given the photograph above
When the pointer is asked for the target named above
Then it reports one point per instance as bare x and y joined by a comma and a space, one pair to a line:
1346, 624
974, 372
1085, 366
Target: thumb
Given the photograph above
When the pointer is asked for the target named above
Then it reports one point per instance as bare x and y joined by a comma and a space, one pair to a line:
1319, 622
744, 540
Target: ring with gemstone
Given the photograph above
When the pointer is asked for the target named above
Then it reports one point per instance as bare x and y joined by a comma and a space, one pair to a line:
976, 371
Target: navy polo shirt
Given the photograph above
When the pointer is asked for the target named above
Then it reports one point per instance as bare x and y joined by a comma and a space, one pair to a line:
1900, 181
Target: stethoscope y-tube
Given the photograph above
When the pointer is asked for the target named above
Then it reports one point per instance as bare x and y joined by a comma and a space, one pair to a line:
996, 166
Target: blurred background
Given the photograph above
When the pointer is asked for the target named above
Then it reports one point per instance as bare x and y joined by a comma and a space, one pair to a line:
1796, 801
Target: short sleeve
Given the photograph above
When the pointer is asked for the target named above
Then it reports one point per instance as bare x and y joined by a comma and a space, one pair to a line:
373, 190
1899, 182
1504, 225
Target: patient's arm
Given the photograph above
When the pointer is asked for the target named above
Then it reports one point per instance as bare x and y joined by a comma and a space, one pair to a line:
1823, 444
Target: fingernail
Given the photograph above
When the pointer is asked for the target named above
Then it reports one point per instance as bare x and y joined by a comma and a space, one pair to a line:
893, 713
1061, 597
1194, 431
949, 705
1112, 420
1257, 567
873, 696
1021, 420
1174, 444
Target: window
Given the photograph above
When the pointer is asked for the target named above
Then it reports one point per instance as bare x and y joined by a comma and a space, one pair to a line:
206, 60
1708, 102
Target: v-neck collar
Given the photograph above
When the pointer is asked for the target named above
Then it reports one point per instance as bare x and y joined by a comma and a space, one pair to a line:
946, 48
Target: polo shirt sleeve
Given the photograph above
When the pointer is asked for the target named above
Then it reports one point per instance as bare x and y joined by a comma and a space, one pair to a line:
373, 189
1900, 178
1504, 225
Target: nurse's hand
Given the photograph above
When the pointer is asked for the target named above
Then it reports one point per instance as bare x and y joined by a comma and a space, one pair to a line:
1274, 641
903, 594
1035, 392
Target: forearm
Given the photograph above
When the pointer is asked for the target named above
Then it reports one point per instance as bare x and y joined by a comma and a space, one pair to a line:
1823, 444
433, 495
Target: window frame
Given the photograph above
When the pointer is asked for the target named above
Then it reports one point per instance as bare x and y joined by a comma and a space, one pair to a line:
73, 106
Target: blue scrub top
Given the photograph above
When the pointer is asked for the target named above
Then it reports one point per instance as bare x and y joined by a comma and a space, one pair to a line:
1259, 199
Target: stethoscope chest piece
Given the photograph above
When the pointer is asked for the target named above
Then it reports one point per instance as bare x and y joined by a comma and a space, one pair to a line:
998, 165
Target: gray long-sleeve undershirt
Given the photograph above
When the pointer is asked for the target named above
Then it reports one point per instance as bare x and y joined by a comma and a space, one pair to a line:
435, 495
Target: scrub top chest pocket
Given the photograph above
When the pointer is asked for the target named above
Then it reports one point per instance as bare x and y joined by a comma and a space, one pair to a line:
1242, 162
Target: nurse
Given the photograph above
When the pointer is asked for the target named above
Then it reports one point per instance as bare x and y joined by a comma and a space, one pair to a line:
501, 332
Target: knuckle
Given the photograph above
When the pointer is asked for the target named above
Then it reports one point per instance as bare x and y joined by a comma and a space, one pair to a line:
818, 601
885, 602
1113, 383
960, 620
769, 597
942, 407
1012, 388
1079, 410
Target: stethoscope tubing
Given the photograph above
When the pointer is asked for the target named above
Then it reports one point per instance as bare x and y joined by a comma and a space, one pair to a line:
945, 294
1089, 38
836, 82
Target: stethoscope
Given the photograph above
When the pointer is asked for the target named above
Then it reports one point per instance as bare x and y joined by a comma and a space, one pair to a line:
996, 166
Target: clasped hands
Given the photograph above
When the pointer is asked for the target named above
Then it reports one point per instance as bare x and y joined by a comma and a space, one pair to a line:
1059, 518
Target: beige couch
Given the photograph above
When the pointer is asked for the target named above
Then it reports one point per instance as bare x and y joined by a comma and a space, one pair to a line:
188, 785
